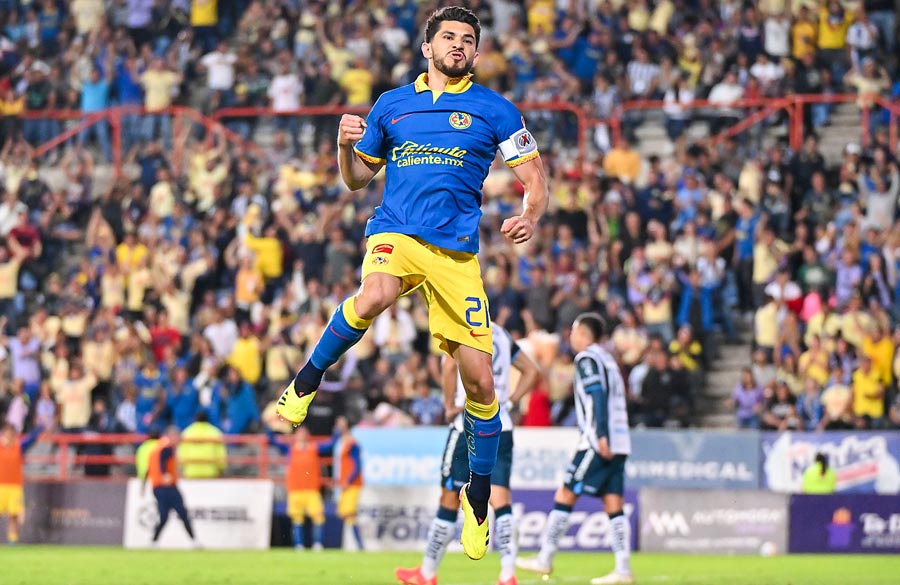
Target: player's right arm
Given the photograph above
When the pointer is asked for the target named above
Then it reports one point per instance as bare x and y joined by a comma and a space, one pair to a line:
357, 168
530, 374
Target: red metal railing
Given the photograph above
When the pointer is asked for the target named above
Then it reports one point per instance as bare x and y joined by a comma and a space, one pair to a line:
756, 110
760, 109
63, 459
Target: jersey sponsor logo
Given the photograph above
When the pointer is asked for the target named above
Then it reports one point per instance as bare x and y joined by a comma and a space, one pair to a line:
383, 249
460, 120
412, 153
395, 120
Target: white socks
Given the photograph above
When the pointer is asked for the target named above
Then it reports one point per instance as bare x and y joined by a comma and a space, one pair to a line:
505, 542
557, 524
621, 543
440, 534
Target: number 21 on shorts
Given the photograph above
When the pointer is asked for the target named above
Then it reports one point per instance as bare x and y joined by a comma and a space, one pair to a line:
474, 312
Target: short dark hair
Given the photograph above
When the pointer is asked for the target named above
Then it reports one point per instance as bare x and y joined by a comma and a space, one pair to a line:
595, 323
452, 14
202, 417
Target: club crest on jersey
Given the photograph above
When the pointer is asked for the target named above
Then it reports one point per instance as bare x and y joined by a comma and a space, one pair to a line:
460, 120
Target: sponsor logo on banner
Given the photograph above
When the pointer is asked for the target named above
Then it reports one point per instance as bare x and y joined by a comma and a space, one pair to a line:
226, 514
392, 518
396, 518
846, 523
712, 521
402, 456
588, 524
676, 459
89, 512
863, 462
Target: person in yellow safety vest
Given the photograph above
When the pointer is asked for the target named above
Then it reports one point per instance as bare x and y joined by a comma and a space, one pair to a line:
819, 479
202, 449
142, 455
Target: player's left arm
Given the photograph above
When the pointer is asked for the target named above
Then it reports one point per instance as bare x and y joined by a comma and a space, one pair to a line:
594, 383
520, 152
521, 227
531, 373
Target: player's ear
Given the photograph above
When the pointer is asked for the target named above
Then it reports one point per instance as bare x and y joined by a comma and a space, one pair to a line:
426, 50
475, 59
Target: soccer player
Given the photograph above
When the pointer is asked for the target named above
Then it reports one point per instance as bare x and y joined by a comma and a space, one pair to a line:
436, 138
12, 495
347, 474
303, 480
455, 467
598, 468
162, 472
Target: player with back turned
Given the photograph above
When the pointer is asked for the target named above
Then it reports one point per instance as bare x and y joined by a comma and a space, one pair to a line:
598, 468
436, 139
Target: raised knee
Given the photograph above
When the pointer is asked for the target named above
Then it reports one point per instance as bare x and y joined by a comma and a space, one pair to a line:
373, 298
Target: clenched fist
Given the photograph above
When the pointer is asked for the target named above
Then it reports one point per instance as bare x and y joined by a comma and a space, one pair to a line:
350, 130
519, 229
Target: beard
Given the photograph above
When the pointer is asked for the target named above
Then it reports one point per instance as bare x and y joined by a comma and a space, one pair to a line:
461, 69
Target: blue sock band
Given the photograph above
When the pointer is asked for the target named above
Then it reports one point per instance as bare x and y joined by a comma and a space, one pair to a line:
446, 514
338, 337
502, 511
483, 438
318, 533
298, 535
562, 507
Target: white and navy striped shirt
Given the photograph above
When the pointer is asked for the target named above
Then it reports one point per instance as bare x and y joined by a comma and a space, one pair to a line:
600, 401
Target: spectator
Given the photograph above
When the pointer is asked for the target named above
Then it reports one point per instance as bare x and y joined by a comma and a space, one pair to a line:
748, 401
809, 406
159, 85
868, 395
202, 452
780, 411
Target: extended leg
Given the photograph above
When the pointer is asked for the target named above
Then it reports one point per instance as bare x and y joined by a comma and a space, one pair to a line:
345, 328
482, 430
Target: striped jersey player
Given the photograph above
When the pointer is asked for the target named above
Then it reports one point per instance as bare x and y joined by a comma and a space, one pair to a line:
598, 468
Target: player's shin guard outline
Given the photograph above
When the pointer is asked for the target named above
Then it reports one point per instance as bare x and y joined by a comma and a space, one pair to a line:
505, 542
621, 541
440, 534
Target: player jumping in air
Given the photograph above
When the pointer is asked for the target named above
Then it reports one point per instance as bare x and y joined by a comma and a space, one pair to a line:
598, 468
455, 466
437, 138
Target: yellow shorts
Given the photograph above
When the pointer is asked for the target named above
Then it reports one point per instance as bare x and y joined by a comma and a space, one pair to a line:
450, 282
12, 500
304, 504
348, 504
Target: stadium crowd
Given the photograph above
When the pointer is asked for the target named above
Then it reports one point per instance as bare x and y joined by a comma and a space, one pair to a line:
199, 286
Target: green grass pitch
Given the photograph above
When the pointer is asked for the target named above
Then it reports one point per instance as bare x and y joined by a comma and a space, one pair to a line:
49, 565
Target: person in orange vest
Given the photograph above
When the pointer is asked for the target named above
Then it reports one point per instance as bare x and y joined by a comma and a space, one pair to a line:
347, 473
303, 480
162, 472
12, 495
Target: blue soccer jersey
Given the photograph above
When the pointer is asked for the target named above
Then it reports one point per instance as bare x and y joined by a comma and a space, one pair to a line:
438, 148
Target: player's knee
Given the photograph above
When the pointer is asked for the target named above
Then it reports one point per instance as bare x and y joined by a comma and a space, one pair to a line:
565, 496
449, 499
376, 295
480, 386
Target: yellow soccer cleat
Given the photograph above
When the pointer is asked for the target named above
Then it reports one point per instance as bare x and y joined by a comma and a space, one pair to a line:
292, 408
475, 534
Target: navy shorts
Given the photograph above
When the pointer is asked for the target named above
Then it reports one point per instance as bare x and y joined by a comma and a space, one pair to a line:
455, 462
592, 475
168, 499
